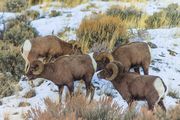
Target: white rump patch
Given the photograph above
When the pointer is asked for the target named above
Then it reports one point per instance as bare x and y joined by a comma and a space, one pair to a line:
93, 61
27, 45
159, 86
26, 49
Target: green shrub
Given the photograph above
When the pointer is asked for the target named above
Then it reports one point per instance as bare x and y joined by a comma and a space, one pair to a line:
100, 29
15, 5
55, 13
11, 60
18, 30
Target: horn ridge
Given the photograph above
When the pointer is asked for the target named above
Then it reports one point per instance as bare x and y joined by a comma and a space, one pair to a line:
114, 68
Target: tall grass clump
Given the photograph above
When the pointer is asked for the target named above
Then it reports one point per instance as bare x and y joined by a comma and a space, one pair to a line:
18, 30
167, 17
7, 86
101, 28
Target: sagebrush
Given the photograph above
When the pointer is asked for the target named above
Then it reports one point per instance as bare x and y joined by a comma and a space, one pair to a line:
18, 30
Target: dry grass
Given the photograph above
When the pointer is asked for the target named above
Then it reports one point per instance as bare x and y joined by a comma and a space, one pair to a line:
65, 3
132, 16
79, 109
167, 17
101, 28
132, 1
2, 3
72, 3
7, 86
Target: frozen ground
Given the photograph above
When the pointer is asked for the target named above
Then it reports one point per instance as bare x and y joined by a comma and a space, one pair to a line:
165, 58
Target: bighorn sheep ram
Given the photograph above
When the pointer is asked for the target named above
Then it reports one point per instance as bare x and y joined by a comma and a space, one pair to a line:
66, 69
135, 54
46, 48
133, 86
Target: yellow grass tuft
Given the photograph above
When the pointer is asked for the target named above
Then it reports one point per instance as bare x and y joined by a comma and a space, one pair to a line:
101, 28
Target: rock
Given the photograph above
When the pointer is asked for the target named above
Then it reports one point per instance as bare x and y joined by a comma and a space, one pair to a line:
1, 103
37, 82
171, 52
152, 45
156, 69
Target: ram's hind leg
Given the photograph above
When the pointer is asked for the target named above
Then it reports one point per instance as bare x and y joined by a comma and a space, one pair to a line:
136, 69
60, 92
161, 104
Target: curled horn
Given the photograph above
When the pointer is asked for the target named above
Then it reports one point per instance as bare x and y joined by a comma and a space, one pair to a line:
114, 68
27, 65
120, 66
39, 67
105, 55
75, 44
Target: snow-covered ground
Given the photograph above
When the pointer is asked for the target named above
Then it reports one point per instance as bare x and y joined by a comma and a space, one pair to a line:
165, 58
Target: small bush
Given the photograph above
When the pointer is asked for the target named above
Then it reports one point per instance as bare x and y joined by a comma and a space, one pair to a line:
34, 2
173, 14
55, 13
32, 15
156, 20
18, 30
174, 94
10, 60
15, 5
100, 29
168, 17
24, 104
